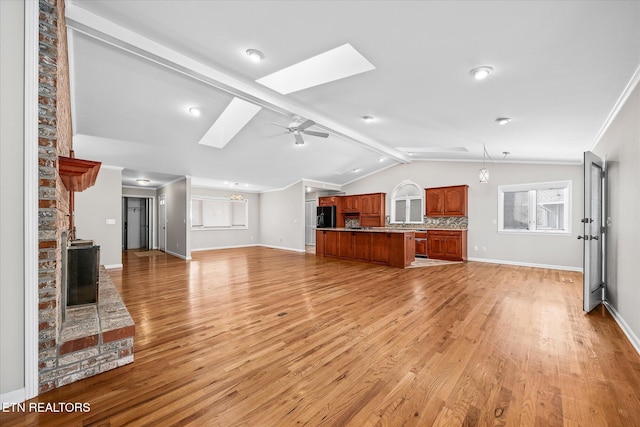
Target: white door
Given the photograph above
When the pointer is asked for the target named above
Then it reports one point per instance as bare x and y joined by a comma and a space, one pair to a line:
162, 223
593, 234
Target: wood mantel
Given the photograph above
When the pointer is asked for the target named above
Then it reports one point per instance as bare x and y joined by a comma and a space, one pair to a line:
78, 174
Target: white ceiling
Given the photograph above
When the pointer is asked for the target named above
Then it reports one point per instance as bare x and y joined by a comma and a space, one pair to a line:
137, 66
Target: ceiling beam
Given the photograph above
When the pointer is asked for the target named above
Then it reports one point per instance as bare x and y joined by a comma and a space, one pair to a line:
88, 23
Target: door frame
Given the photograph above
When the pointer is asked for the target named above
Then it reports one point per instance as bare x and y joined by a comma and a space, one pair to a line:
594, 236
151, 215
162, 228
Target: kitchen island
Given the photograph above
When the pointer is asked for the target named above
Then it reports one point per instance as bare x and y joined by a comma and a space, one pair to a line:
395, 248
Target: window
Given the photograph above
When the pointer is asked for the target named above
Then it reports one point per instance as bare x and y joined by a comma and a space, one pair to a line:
407, 203
535, 208
219, 213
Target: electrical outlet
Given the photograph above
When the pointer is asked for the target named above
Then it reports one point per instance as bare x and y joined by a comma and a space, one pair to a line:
475, 248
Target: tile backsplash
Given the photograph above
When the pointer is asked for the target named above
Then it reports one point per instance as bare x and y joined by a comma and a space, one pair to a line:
450, 222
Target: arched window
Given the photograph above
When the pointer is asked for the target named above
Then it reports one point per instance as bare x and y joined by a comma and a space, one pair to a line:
407, 203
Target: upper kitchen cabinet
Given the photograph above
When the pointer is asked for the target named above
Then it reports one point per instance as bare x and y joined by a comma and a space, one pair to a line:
350, 203
328, 201
447, 201
372, 210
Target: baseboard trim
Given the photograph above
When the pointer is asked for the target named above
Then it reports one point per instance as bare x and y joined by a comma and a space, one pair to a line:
527, 264
633, 338
178, 255
283, 248
223, 247
113, 266
15, 396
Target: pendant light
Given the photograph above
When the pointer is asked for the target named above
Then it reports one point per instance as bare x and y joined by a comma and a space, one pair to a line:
484, 172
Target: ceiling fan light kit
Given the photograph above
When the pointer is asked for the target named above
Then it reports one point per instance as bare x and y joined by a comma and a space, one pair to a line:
297, 129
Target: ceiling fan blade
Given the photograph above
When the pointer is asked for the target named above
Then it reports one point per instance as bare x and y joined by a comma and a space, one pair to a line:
299, 140
306, 124
278, 124
314, 133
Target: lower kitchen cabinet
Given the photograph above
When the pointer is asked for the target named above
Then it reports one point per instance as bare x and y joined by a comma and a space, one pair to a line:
396, 249
447, 244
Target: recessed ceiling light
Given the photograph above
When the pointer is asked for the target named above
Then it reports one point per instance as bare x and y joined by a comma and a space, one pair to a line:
368, 119
195, 111
356, 170
382, 159
255, 55
503, 120
143, 181
481, 73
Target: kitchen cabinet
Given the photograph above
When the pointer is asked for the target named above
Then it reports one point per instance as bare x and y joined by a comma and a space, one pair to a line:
372, 204
346, 241
328, 200
350, 203
421, 243
380, 248
447, 244
447, 201
330, 243
393, 248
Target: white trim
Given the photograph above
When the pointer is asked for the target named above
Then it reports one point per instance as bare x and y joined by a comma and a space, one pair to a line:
527, 264
13, 397
282, 248
178, 255
113, 266
223, 247
633, 338
635, 79
31, 37
531, 188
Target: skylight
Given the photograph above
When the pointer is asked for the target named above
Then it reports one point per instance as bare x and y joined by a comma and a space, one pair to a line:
231, 121
335, 64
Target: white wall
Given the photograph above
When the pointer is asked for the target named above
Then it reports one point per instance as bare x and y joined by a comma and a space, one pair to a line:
178, 193
620, 147
12, 370
93, 207
216, 239
558, 251
282, 218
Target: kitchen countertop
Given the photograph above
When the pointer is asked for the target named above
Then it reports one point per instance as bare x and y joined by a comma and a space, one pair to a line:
369, 229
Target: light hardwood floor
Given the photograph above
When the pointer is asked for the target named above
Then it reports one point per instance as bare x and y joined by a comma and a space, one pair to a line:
264, 337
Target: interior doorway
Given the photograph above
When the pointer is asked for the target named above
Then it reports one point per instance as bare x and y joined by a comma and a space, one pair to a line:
137, 213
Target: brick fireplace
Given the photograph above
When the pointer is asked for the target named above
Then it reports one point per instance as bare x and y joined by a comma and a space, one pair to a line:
95, 337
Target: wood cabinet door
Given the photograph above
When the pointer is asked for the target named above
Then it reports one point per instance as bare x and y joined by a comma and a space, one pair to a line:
455, 201
346, 245
362, 246
452, 246
380, 247
435, 246
366, 207
331, 243
434, 201
320, 235
327, 201
351, 203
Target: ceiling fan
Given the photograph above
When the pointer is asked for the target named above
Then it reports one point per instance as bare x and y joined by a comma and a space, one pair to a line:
297, 128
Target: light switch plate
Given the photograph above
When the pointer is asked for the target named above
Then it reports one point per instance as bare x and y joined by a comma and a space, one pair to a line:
111, 221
